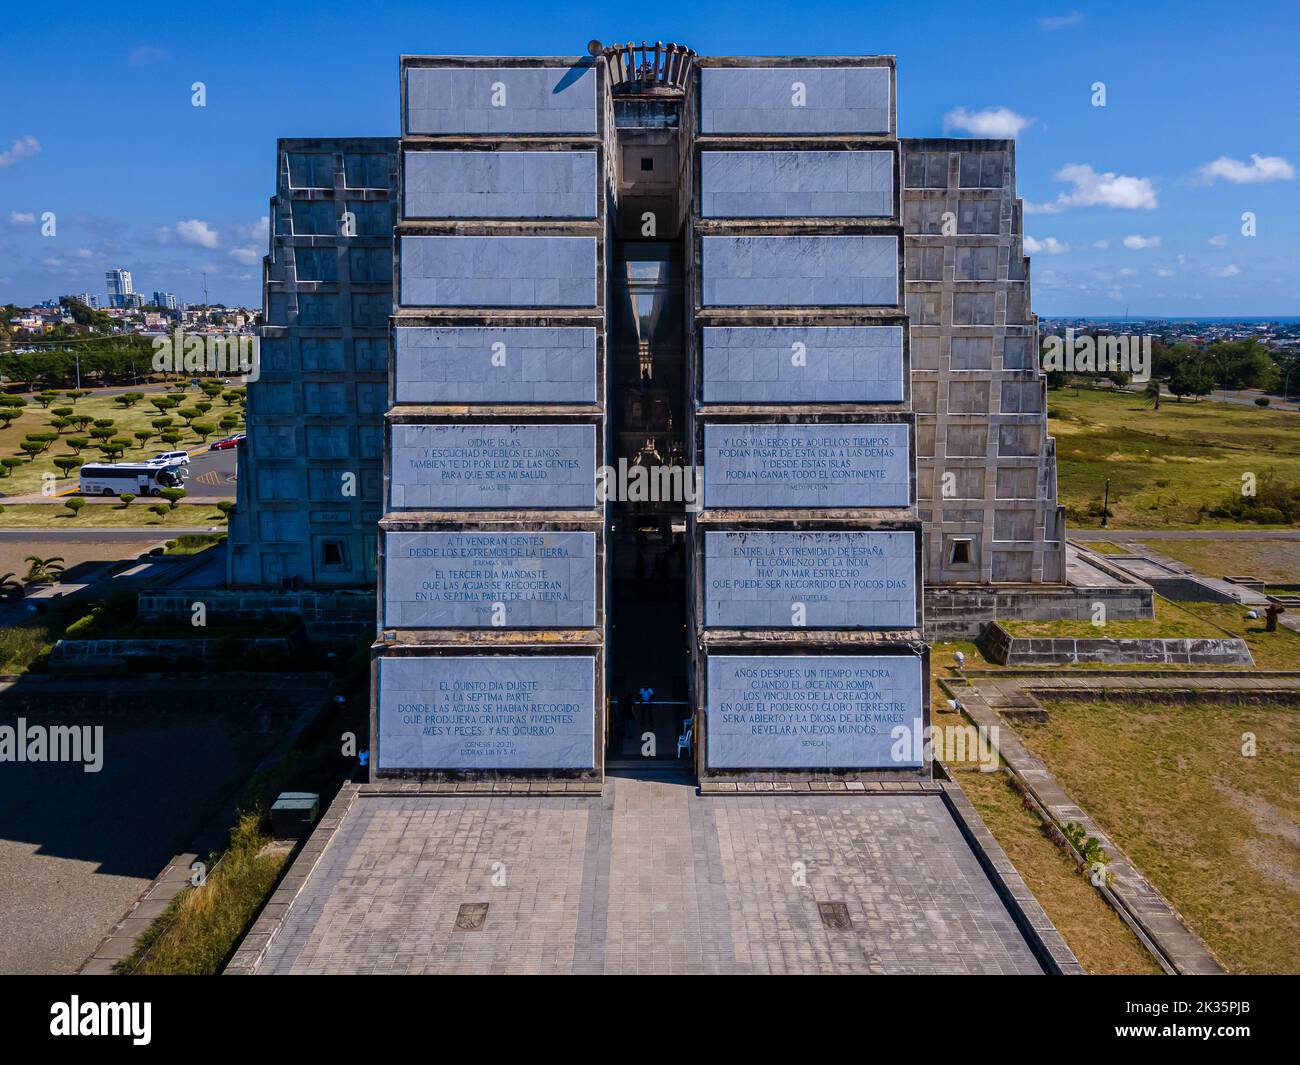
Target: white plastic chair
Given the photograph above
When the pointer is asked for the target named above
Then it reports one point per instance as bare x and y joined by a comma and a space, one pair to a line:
684, 740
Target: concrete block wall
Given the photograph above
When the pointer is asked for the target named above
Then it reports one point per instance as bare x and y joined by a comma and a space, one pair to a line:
986, 465
308, 496
490, 661
806, 560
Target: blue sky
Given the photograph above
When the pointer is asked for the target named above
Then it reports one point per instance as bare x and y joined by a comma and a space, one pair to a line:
96, 125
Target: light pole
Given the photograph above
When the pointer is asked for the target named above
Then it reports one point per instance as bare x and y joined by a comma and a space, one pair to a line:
1105, 505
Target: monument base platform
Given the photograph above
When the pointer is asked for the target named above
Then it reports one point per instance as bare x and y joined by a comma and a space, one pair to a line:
652, 877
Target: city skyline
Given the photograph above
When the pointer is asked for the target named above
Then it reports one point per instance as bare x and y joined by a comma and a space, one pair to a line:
1137, 204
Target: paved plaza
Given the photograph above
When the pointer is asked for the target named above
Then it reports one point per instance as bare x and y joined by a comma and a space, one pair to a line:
648, 877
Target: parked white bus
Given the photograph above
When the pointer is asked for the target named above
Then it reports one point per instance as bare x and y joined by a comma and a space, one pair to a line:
110, 479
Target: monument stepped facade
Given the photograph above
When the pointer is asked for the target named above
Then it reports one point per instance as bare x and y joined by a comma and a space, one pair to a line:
727, 275
986, 467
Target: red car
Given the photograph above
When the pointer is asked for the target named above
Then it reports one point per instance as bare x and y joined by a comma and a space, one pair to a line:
228, 442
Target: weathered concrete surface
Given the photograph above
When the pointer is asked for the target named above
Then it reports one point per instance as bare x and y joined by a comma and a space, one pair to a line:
650, 877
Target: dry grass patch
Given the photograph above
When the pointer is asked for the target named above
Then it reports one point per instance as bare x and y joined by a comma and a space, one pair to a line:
1102, 942
1214, 829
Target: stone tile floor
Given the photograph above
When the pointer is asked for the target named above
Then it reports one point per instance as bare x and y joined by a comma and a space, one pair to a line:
650, 877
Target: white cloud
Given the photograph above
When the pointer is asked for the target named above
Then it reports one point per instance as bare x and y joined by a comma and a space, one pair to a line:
22, 147
1046, 246
1101, 244
259, 230
1231, 270
1127, 271
1261, 168
84, 253
22, 218
1092, 189
246, 256
1140, 243
1041, 208
1061, 22
195, 232
998, 122
1220, 241
1165, 273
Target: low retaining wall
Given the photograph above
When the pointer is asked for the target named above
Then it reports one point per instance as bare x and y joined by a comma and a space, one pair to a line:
106, 655
962, 612
328, 617
999, 645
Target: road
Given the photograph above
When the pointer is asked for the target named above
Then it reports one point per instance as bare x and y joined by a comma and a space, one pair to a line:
1124, 535
212, 477
1242, 397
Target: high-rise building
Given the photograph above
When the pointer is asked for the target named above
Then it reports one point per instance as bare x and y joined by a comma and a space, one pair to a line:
308, 497
88, 298
119, 287
164, 300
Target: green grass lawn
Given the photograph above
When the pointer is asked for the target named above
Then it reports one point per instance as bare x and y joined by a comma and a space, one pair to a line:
1271, 650
34, 419
110, 516
1105, 547
1216, 830
1171, 622
1163, 465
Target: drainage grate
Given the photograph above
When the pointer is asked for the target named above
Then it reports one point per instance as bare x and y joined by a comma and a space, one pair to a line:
835, 915
470, 917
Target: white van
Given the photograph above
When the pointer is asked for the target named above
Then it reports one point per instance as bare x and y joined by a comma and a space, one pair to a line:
170, 458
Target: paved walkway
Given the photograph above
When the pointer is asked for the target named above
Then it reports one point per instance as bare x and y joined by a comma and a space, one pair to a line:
648, 877
1160, 922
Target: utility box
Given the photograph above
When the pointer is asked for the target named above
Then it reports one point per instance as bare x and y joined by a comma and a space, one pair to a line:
293, 814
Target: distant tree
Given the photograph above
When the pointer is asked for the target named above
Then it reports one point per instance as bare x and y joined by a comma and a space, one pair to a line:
1190, 378
63, 412
143, 435
77, 443
67, 464
161, 509
75, 504
173, 496
170, 437
7, 465
226, 506
1152, 392
46, 398
127, 400
203, 430
127, 498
